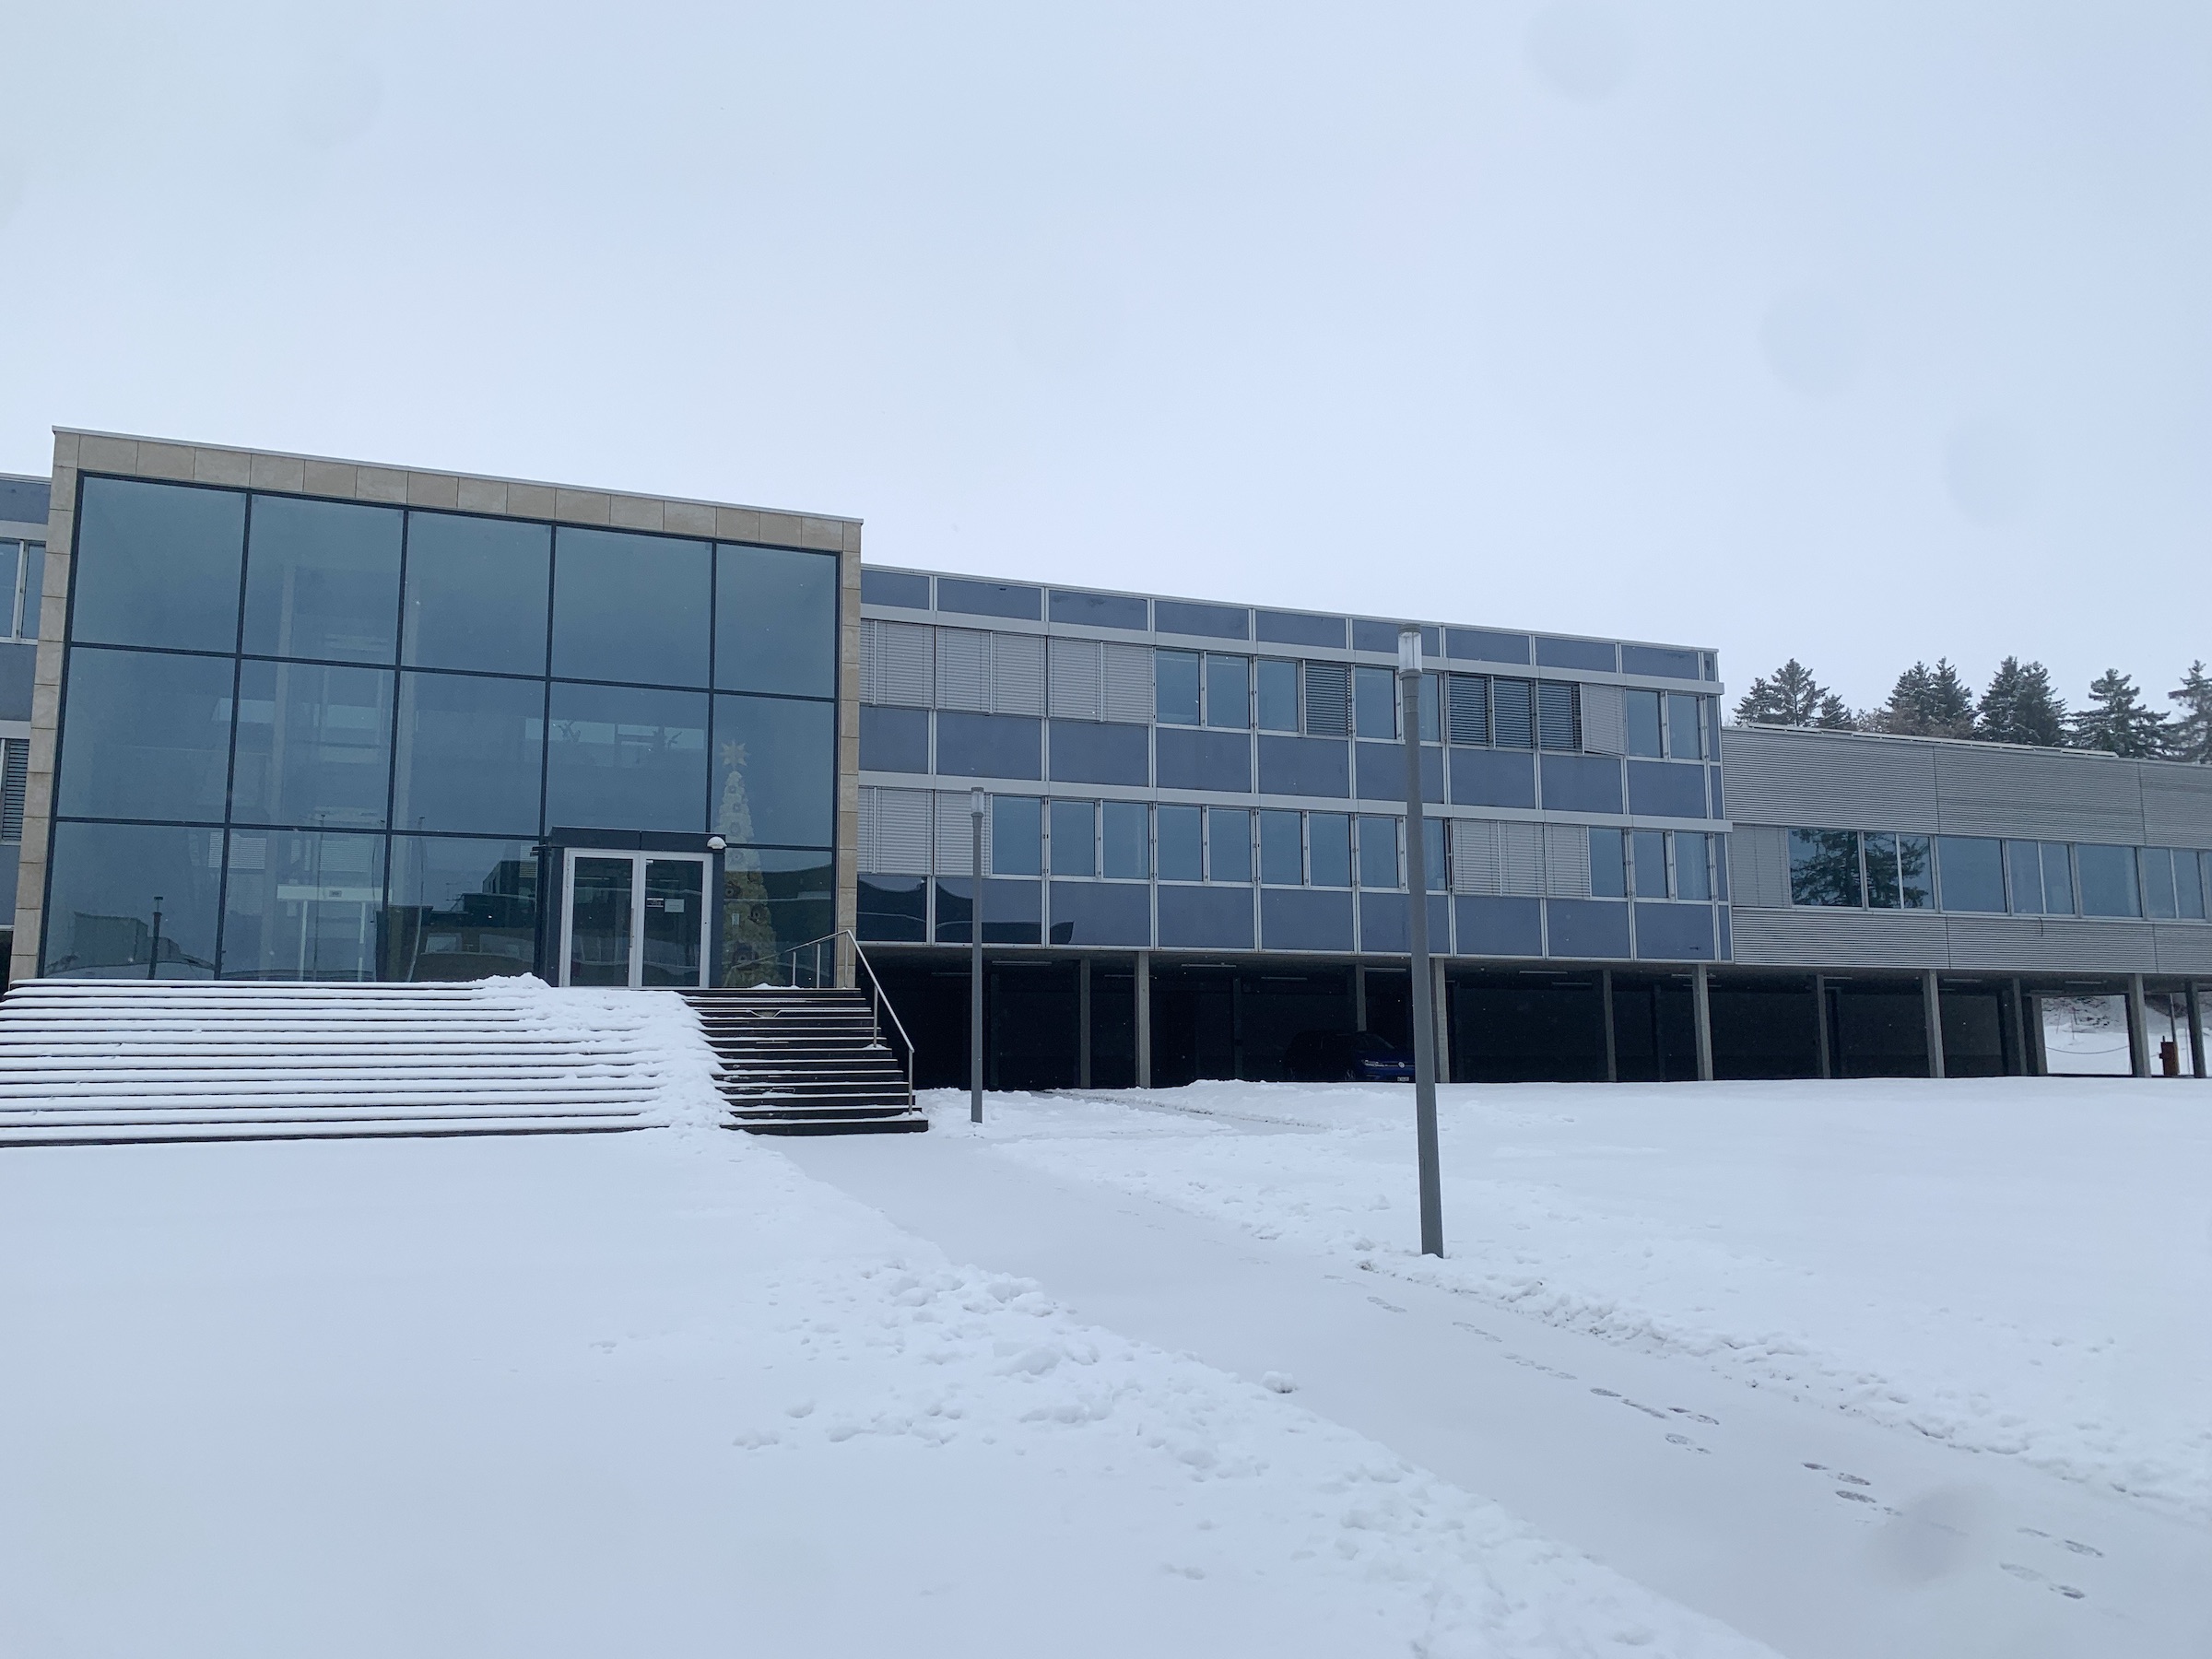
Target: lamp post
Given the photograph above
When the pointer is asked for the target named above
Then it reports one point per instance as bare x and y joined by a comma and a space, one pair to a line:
1416, 933
975, 964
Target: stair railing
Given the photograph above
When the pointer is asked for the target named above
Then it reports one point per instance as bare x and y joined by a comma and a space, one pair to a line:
806, 960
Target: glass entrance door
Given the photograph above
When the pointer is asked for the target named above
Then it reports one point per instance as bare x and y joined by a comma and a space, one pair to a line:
634, 919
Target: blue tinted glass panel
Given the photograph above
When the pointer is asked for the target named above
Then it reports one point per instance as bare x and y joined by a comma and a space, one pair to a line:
1017, 835
1514, 713
2188, 879
1282, 858
1432, 863
1278, 695
894, 587
1220, 762
2023, 866
1972, 872
776, 621
1378, 852
1575, 653
1383, 772
1097, 913
1608, 868
1207, 621
1229, 844
989, 746
1659, 662
1592, 783
1075, 837
1685, 726
1175, 687
460, 908
1478, 645
2058, 879
1647, 851
893, 739
298, 905
775, 772
2158, 883
1675, 933
314, 746
1693, 864
1012, 911
145, 735
1589, 927
1487, 777
624, 759
1127, 835
1295, 920
1090, 751
25, 500
158, 564
1498, 926
1375, 702
1329, 848
1305, 766
1228, 692
989, 598
34, 591
1289, 628
1667, 789
1181, 845
477, 592
109, 879
1431, 723
323, 579
1824, 868
893, 909
471, 754
1882, 871
630, 608
1100, 610
772, 900
1206, 918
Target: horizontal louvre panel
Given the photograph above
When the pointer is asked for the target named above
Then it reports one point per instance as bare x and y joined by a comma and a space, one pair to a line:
2185, 949
1474, 847
1470, 708
15, 770
1567, 861
1521, 859
2039, 797
1018, 674
1129, 683
1328, 699
894, 831
1605, 720
1076, 679
2030, 942
894, 662
1840, 938
1821, 781
964, 669
1556, 724
956, 834
1512, 712
2177, 806
1759, 867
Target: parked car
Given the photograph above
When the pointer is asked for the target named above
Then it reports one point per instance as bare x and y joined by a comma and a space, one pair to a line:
1346, 1057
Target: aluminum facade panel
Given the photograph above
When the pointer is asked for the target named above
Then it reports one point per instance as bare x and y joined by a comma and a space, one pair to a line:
2035, 944
2177, 806
2184, 949
2032, 794
1822, 781
1809, 938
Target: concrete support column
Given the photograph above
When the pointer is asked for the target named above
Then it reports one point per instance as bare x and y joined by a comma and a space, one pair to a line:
2021, 1061
1931, 1007
1702, 1004
2196, 1030
1828, 1060
1144, 1019
1441, 1002
1605, 983
1083, 1023
2138, 1028
1358, 996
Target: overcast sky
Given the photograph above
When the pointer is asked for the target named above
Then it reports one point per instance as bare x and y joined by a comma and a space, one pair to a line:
1864, 332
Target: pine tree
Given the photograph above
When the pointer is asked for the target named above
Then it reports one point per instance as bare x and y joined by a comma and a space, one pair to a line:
1928, 702
2191, 738
2116, 721
2020, 707
1834, 714
1790, 697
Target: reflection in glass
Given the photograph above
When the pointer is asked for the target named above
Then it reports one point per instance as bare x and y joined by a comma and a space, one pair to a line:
1329, 848
1432, 854
2085, 1036
133, 902
2189, 884
460, 909
1017, 835
676, 895
775, 770
1972, 873
771, 901
471, 754
630, 608
1228, 692
1278, 695
1282, 857
477, 592
1128, 837
1685, 730
1375, 702
1075, 837
1609, 864
776, 621
1647, 851
1643, 723
302, 906
1180, 856
1881, 870
145, 735
1916, 866
2023, 871
323, 579
1378, 852
158, 564
1693, 867
1824, 867
2157, 864
2058, 879
626, 758
1229, 842
314, 746
600, 906
1175, 687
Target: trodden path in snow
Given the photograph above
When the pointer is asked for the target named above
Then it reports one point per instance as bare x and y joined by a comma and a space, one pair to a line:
1824, 1535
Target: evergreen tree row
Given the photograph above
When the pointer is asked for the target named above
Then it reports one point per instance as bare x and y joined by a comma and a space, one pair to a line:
2019, 706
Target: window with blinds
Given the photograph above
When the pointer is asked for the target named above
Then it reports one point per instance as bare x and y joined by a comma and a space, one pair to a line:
1328, 699
14, 772
1558, 727
1468, 711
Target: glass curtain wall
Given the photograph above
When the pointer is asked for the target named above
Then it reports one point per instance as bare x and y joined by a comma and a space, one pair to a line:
312, 739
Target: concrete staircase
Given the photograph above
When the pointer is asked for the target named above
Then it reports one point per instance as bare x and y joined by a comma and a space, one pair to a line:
807, 1062
97, 1061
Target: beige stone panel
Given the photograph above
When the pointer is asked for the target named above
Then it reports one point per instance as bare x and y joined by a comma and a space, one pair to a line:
65, 445
380, 483
165, 461
687, 518
45, 704
433, 489
783, 528
581, 506
96, 454
63, 479
740, 523
329, 478
531, 501
480, 494
286, 472
222, 466
46, 668
634, 513
827, 535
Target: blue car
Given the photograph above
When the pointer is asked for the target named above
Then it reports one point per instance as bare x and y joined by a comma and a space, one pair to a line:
1345, 1057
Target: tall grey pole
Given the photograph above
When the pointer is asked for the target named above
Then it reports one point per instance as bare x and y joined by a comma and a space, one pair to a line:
1416, 933
975, 965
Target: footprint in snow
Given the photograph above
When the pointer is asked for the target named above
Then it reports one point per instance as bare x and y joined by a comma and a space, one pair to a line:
1852, 1479
1381, 1303
2087, 1549
1855, 1497
2029, 1575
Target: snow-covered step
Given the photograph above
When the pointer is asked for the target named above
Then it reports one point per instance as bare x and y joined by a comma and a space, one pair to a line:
805, 1063
110, 1060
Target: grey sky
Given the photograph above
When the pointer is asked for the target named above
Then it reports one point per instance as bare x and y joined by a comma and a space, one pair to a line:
1865, 331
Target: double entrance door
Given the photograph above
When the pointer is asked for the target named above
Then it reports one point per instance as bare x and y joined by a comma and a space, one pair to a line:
633, 918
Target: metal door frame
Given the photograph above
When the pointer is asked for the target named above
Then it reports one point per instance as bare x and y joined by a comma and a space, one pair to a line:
636, 861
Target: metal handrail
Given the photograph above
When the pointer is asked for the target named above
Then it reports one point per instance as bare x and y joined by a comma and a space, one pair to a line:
879, 1002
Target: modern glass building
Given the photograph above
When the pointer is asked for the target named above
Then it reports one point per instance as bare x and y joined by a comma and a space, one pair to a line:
303, 719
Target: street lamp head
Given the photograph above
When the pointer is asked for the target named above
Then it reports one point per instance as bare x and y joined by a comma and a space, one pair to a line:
975, 802
1410, 651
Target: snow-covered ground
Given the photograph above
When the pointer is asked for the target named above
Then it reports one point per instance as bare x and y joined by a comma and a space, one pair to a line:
2018, 1266
662, 1392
